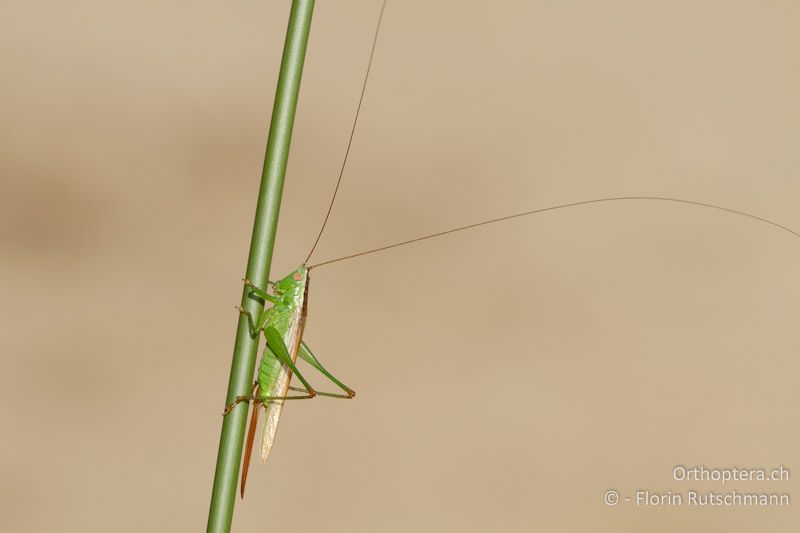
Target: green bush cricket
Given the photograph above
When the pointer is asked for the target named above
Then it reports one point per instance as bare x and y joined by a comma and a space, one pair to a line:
282, 325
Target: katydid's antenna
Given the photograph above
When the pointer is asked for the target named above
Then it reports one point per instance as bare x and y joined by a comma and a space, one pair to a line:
352, 132
562, 206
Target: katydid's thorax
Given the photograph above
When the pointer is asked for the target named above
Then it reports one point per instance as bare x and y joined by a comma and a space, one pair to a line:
289, 305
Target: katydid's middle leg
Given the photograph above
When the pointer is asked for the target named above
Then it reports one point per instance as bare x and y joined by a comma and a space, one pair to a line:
255, 326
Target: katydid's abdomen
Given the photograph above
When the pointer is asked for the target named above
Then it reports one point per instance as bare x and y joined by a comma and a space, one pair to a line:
273, 380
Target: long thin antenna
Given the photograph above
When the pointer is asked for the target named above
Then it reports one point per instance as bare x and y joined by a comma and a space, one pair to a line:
553, 208
352, 131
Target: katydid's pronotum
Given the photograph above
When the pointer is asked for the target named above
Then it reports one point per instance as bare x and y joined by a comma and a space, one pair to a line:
282, 324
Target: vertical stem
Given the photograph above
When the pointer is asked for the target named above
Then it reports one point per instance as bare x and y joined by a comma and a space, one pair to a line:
258, 263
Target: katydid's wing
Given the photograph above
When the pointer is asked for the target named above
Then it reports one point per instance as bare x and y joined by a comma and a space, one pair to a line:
277, 347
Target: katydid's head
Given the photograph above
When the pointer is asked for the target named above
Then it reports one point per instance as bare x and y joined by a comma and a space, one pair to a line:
293, 282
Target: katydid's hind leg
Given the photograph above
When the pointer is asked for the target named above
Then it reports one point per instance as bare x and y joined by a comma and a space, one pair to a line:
240, 399
255, 397
307, 396
266, 399
278, 346
307, 355
328, 394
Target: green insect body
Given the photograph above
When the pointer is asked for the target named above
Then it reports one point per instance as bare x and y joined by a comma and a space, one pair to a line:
286, 319
282, 325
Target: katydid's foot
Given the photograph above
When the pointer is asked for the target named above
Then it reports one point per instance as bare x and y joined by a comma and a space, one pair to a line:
239, 399
242, 310
229, 408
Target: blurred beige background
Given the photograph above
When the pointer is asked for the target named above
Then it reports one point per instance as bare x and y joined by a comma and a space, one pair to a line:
507, 376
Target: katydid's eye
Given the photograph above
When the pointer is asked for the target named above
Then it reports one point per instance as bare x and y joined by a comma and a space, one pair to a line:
298, 277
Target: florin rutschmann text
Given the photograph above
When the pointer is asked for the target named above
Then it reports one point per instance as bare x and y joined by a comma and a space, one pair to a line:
703, 475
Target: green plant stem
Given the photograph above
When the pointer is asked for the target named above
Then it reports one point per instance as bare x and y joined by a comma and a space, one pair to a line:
258, 263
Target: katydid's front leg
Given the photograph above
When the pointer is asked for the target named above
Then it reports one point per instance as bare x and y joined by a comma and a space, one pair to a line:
261, 293
307, 356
